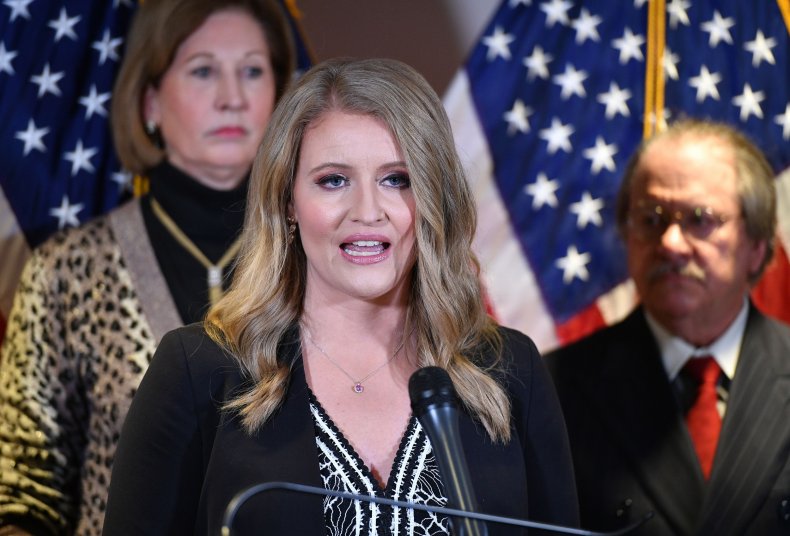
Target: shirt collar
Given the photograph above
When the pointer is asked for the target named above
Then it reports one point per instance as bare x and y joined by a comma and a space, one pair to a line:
726, 349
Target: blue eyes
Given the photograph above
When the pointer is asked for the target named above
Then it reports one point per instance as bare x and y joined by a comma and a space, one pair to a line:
201, 72
333, 181
253, 72
398, 181
206, 71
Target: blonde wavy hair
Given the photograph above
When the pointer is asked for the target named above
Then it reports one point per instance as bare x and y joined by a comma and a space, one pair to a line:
445, 309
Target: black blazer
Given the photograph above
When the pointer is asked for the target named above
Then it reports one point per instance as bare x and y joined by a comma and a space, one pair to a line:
632, 451
181, 459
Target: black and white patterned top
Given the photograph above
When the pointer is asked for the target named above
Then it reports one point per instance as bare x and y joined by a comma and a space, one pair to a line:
414, 478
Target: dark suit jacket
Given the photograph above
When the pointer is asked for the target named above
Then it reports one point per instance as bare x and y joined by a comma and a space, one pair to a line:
632, 451
181, 459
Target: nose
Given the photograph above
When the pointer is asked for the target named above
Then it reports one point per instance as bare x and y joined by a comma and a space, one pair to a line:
230, 93
366, 205
674, 241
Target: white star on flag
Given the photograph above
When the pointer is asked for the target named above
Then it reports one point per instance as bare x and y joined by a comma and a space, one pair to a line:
677, 11
719, 29
556, 11
783, 120
574, 265
518, 117
94, 103
123, 179
601, 156
705, 84
64, 26
588, 210
537, 64
670, 62
66, 213
80, 158
6, 56
47, 82
18, 8
615, 101
630, 46
543, 191
107, 47
32, 137
558, 136
498, 44
761, 49
571, 82
749, 102
586, 27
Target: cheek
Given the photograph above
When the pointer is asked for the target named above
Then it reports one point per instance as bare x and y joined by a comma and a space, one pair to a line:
316, 223
636, 257
183, 118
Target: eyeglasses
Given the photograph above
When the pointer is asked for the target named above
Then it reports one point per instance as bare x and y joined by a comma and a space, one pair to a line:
649, 221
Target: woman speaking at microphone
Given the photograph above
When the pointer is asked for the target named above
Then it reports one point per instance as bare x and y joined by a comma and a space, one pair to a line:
355, 270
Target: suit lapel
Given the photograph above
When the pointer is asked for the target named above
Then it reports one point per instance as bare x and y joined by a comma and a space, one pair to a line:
652, 435
755, 430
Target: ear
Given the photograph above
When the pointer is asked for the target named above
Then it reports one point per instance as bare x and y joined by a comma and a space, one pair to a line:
151, 109
291, 212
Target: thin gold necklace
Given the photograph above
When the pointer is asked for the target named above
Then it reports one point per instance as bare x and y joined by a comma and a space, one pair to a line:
356, 385
214, 271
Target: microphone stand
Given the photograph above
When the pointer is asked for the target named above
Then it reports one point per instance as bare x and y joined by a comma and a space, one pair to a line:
236, 503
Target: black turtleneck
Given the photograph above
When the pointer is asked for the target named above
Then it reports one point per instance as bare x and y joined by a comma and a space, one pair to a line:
212, 219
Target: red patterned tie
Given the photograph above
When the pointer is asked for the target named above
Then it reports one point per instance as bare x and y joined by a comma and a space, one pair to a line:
703, 419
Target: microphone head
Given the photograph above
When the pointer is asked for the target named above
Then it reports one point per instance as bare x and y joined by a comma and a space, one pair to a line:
430, 387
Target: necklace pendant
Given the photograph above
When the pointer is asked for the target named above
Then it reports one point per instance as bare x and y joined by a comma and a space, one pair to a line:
214, 276
358, 388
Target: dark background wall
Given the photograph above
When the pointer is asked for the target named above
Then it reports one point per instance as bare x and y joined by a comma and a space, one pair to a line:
434, 36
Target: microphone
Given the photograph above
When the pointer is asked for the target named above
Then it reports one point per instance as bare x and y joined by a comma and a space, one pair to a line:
433, 398
240, 498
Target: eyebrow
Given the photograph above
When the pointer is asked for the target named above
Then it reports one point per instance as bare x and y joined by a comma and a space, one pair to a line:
210, 55
338, 165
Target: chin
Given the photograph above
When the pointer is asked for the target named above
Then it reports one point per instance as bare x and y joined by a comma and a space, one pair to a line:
673, 307
374, 291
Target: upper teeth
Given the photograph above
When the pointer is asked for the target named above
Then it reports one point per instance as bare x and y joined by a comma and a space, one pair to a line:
366, 243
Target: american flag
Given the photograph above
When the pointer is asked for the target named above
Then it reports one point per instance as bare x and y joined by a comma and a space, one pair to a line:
58, 61
57, 66
550, 105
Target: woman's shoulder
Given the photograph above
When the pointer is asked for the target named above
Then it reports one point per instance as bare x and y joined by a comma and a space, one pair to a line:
191, 354
518, 349
75, 246
520, 361
195, 344
77, 241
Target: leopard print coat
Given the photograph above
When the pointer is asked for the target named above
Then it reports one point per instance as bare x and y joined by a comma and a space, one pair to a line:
89, 310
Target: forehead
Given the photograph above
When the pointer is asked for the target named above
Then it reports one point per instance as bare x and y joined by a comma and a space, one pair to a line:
227, 28
348, 132
687, 168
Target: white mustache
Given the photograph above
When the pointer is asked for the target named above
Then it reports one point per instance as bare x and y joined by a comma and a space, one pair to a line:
690, 269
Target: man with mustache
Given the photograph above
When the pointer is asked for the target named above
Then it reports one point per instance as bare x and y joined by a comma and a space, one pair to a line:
683, 408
